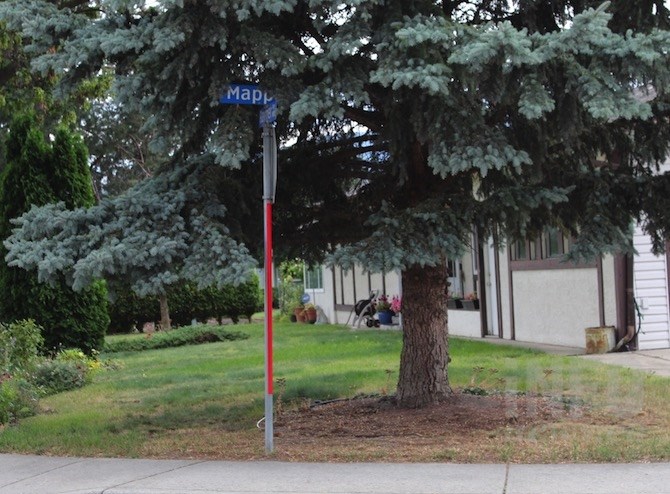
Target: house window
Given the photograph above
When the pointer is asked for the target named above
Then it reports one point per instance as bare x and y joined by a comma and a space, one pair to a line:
519, 250
313, 278
454, 277
553, 243
544, 252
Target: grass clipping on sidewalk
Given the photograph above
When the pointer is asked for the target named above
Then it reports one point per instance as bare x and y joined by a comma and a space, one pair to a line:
333, 402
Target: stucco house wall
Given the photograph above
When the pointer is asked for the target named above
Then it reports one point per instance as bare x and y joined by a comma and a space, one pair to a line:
555, 306
464, 323
552, 306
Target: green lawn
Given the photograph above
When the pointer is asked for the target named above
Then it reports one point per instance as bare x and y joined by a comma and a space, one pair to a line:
195, 386
200, 400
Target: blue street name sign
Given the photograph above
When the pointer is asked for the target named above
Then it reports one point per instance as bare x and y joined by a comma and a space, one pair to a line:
245, 94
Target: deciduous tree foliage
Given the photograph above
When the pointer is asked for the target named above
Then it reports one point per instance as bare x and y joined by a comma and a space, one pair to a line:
22, 89
38, 173
119, 153
405, 124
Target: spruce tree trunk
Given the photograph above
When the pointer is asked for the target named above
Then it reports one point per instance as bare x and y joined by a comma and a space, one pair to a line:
423, 361
165, 312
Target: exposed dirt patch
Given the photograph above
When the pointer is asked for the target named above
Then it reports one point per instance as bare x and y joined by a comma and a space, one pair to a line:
375, 417
466, 428
463, 428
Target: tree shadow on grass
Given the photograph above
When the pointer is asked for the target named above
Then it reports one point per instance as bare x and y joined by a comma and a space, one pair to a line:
238, 417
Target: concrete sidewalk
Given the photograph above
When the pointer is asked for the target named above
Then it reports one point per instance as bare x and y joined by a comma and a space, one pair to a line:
35, 474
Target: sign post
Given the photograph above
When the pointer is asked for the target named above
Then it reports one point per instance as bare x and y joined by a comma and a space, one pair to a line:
248, 94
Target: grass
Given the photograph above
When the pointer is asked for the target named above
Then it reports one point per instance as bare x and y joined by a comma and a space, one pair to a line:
204, 401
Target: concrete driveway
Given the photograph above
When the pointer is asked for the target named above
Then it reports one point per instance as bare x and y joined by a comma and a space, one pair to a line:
653, 361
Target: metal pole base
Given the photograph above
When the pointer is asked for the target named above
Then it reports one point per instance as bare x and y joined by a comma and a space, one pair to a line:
269, 424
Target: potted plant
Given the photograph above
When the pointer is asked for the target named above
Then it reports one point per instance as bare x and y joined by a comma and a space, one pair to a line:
309, 313
455, 301
396, 307
383, 308
471, 302
299, 313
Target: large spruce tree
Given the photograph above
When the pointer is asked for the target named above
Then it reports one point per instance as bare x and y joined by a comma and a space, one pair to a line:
405, 124
38, 173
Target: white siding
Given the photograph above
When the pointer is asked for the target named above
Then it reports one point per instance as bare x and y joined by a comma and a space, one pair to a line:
324, 298
651, 294
651, 291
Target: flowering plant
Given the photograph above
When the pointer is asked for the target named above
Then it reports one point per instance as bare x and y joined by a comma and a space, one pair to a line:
471, 296
383, 303
396, 303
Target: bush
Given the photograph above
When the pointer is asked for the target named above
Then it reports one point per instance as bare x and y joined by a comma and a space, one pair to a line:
241, 300
186, 302
40, 171
20, 343
24, 375
128, 311
18, 399
75, 319
55, 376
290, 286
88, 366
191, 335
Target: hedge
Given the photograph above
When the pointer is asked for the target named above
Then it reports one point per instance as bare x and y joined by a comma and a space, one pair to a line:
190, 335
128, 311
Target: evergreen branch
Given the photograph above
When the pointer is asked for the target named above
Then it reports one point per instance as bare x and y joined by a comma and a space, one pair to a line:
370, 119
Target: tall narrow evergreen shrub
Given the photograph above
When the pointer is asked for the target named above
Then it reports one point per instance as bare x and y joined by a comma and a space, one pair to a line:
39, 172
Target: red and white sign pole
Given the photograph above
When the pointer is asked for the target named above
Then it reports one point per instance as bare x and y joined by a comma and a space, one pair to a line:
269, 185
251, 94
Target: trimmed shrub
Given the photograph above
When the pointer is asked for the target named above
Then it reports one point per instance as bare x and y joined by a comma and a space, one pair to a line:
242, 300
190, 335
128, 311
186, 302
74, 319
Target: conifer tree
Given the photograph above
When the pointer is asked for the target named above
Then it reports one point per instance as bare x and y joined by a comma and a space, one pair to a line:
159, 233
39, 173
406, 124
